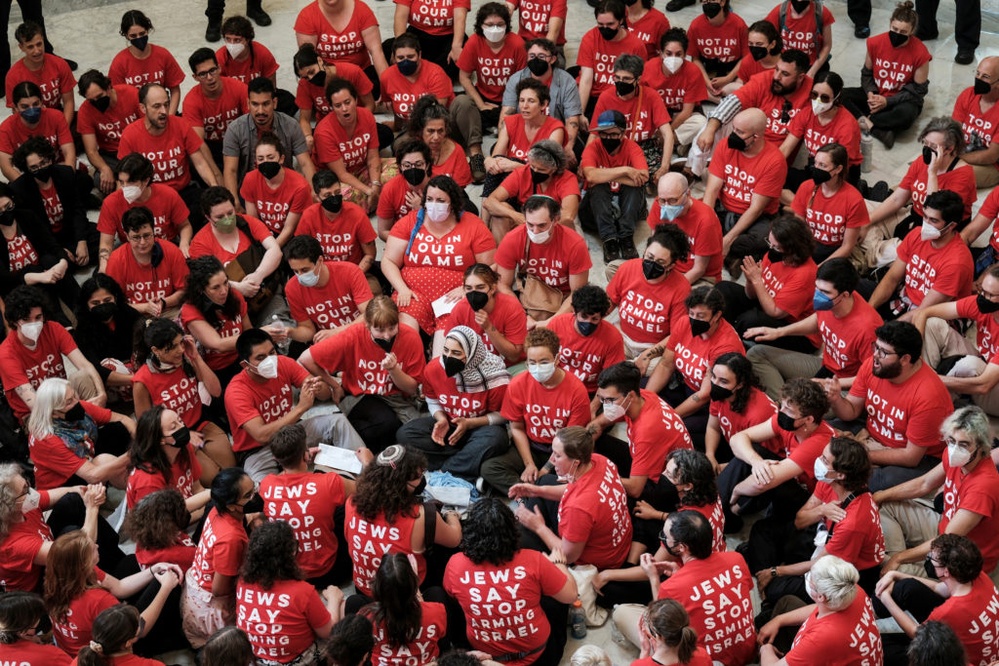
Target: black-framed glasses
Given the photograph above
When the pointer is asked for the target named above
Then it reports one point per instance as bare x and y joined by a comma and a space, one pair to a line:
881, 352
207, 73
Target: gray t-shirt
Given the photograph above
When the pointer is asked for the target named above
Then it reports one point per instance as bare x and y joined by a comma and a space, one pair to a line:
241, 139
564, 94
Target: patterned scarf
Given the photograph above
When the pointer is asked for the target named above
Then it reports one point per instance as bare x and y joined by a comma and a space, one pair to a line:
78, 436
483, 370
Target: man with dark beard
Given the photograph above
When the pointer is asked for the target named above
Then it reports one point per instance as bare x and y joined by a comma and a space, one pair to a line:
905, 403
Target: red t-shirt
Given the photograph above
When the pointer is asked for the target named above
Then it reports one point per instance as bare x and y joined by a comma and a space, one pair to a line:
259, 62
629, 154
293, 195
990, 210
716, 517
335, 45
73, 631
492, 69
948, 269
280, 621
845, 638
205, 243
973, 618
544, 411
978, 492
421, 650
158, 67
392, 202
960, 180
434, 17
52, 203
20, 547
306, 502
829, 217
895, 67
28, 653
456, 166
168, 209
519, 186
54, 462
685, 87
181, 553
564, 254
803, 452
368, 541
648, 312
792, 287
402, 93
354, 352
455, 251
743, 176
343, 237
586, 355
653, 435
760, 408
175, 390
694, 355
333, 143
842, 129
519, 143
645, 114
214, 115
518, 584
54, 79
987, 334
801, 32
704, 235
143, 482
456, 403
757, 93
599, 55
980, 127
508, 317
716, 594
168, 152
335, 304
226, 328
847, 341
594, 511
534, 16
908, 412
51, 126
726, 42
220, 550
107, 127
246, 398
148, 284
20, 365
698, 658
649, 30
858, 538
310, 97
20, 253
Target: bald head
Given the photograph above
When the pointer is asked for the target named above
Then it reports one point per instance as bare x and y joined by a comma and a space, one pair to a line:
672, 184
987, 76
751, 121
673, 191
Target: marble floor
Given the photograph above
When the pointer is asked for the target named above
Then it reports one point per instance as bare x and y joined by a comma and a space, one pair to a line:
90, 36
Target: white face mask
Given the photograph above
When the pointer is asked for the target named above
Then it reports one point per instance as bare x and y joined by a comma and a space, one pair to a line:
131, 193
613, 411
33, 330
821, 470
542, 372
235, 50
957, 456
672, 64
928, 232
820, 107
437, 210
494, 35
268, 368
540, 237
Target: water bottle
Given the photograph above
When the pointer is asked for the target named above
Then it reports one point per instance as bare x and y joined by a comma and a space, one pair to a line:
577, 618
282, 347
866, 151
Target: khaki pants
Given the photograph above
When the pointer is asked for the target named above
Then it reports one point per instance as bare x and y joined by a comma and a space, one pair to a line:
775, 366
906, 525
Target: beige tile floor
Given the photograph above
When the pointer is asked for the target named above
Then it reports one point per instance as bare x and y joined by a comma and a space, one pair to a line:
90, 36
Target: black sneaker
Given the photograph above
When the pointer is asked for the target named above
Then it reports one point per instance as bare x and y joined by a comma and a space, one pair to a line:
862, 31
612, 251
627, 247
477, 163
259, 16
926, 35
887, 137
214, 31
965, 56
677, 5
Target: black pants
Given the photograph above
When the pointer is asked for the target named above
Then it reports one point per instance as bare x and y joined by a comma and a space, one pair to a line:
375, 421
745, 313
31, 10
167, 633
612, 215
912, 596
859, 12
191, 194
967, 21
896, 117
784, 500
216, 8
69, 514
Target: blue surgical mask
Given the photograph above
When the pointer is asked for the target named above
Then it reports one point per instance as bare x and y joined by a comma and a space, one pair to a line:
32, 115
310, 279
670, 212
821, 302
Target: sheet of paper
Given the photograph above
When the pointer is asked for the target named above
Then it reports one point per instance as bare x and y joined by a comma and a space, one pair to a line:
456, 497
442, 306
337, 458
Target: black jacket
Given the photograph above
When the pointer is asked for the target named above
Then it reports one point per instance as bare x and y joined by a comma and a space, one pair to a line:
74, 221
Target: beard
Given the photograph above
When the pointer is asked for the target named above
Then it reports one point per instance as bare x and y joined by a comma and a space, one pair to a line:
887, 371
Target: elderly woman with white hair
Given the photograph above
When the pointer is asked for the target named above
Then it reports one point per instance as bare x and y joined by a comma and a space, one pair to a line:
838, 628
74, 442
464, 388
969, 483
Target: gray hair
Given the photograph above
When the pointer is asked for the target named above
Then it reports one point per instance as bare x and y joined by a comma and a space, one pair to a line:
950, 128
629, 63
9, 473
836, 580
973, 421
549, 154
50, 396
589, 655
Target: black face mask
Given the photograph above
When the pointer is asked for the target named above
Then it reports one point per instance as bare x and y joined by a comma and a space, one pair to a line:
181, 438
897, 39
420, 486
736, 142
785, 422
671, 550
537, 177
477, 299
652, 270
820, 176
140, 43
102, 104
719, 393
42, 174
931, 571
986, 306
386, 345
104, 311
269, 169
538, 66
928, 154
7, 218
407, 67
452, 365
775, 255
758, 52
982, 87
318, 79
699, 326
586, 328
608, 33
75, 413
624, 88
333, 203
610, 145
711, 9
799, 5
414, 176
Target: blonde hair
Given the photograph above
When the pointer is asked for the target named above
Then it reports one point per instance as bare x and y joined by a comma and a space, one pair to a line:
590, 655
49, 397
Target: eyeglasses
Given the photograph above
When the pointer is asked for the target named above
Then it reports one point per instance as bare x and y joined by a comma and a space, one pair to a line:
821, 97
412, 165
140, 237
981, 292
881, 352
41, 165
207, 73
967, 446
609, 401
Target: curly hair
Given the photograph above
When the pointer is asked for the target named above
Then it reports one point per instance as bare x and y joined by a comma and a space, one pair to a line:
271, 555
9, 474
693, 467
851, 460
427, 108
540, 89
543, 337
157, 519
21, 301
396, 606
69, 572
491, 9
959, 555
673, 238
807, 396
383, 488
203, 269
795, 239
742, 368
489, 533
91, 332
350, 640
36, 145
455, 193
146, 452
936, 644
590, 300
